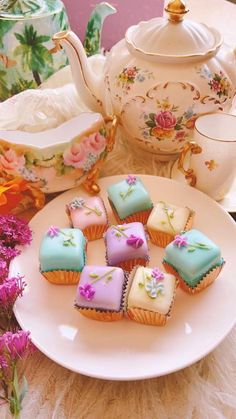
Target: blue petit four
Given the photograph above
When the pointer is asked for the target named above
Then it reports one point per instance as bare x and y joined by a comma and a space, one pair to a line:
130, 200
195, 258
62, 255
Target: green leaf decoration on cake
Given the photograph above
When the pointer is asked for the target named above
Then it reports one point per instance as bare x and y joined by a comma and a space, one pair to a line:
170, 214
107, 276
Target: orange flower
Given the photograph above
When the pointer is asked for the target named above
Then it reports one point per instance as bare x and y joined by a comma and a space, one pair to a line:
13, 193
191, 122
161, 134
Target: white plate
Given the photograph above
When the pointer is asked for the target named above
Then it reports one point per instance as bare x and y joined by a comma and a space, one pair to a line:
125, 350
229, 201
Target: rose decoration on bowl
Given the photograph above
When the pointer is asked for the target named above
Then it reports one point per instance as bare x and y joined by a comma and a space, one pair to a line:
61, 158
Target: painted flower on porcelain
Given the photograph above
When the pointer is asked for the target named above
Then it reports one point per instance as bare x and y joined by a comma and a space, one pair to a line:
75, 156
166, 120
95, 143
9, 160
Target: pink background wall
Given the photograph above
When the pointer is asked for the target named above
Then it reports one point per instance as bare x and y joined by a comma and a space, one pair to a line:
128, 13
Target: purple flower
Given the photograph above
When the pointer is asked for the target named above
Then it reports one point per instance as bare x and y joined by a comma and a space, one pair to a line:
77, 203
3, 362
9, 291
157, 274
87, 291
180, 240
17, 345
14, 231
135, 241
3, 270
8, 253
131, 180
53, 231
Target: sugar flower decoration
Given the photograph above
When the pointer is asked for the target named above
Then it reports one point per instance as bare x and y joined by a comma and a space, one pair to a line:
180, 240
87, 291
157, 274
77, 203
14, 231
53, 231
154, 288
131, 180
134, 241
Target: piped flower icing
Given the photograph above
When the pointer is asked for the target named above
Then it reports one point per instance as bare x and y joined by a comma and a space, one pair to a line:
131, 180
54, 231
132, 240
153, 283
88, 291
79, 203
181, 241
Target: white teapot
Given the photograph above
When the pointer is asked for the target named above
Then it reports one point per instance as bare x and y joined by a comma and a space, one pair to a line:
158, 79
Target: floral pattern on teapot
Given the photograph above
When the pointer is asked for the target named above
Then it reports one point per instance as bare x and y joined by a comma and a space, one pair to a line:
218, 82
73, 163
166, 123
129, 75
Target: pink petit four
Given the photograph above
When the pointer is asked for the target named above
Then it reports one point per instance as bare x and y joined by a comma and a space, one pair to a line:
89, 215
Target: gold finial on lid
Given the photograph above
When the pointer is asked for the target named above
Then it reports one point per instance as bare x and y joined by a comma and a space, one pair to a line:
176, 10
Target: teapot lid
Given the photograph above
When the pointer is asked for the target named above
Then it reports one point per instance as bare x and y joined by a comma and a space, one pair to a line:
22, 9
172, 37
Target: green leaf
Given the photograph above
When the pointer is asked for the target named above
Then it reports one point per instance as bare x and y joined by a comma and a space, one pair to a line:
150, 124
93, 275
141, 285
191, 249
24, 389
178, 127
5, 27
152, 116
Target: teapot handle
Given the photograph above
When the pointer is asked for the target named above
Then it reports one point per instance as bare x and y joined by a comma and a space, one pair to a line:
189, 174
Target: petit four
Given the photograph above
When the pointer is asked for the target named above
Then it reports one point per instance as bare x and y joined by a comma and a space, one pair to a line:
130, 200
194, 259
126, 246
100, 292
62, 255
150, 295
166, 220
89, 215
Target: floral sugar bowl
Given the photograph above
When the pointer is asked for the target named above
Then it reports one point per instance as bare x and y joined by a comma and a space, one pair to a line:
164, 74
60, 158
26, 49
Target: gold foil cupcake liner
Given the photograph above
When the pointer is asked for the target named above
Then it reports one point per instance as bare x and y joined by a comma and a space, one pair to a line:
146, 317
143, 316
128, 265
95, 232
105, 316
62, 277
162, 239
205, 281
140, 216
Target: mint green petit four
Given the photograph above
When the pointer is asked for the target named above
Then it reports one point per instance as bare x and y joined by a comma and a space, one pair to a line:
193, 254
129, 196
62, 249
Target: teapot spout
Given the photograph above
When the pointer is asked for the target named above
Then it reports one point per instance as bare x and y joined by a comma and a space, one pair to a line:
88, 83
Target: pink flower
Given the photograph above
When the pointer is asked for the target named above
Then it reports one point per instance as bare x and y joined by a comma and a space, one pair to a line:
14, 231
3, 270
95, 143
53, 231
166, 120
131, 180
180, 240
10, 290
87, 291
11, 161
135, 241
75, 156
157, 274
7, 253
18, 345
180, 135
